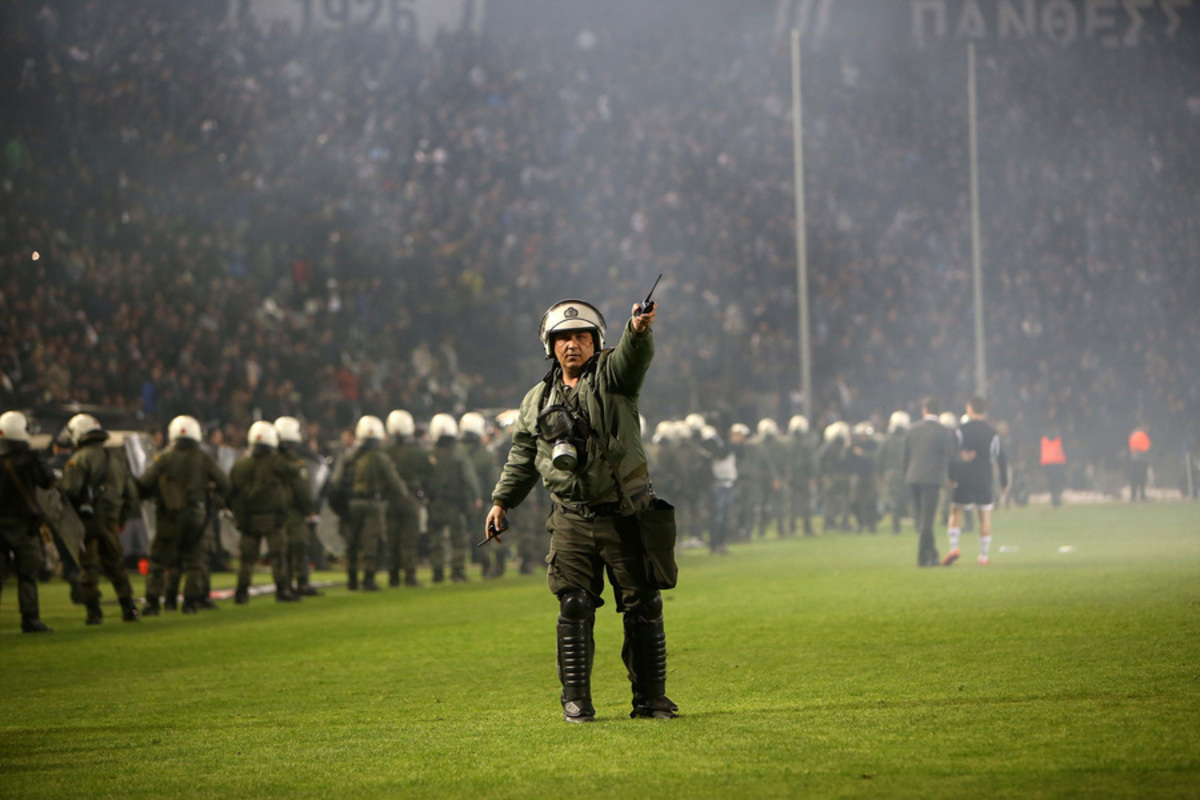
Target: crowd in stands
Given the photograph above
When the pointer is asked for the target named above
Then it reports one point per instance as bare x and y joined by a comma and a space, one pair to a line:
238, 221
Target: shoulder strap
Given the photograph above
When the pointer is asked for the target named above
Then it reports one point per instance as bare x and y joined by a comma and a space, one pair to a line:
11, 470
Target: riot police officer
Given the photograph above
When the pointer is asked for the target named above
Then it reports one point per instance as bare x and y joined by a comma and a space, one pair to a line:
578, 430
891, 466
453, 489
97, 482
301, 507
472, 428
404, 516
181, 479
365, 481
801, 470
262, 485
21, 472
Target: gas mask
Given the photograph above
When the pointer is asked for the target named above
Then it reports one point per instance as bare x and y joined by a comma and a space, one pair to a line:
565, 429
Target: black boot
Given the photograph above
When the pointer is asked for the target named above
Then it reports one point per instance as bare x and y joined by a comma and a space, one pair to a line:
645, 655
369, 584
284, 593
438, 575
410, 579
393, 578
94, 615
458, 575
352, 580
153, 608
242, 596
30, 623
205, 603
191, 605
129, 612
306, 589
575, 648
171, 592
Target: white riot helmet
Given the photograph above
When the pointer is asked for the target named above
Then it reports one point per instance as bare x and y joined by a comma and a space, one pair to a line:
798, 424
836, 430
506, 419
369, 427
948, 420
663, 430
264, 433
82, 426
864, 429
400, 423
739, 429
899, 421
14, 427
184, 427
442, 425
694, 422
288, 429
472, 422
708, 433
767, 428
571, 315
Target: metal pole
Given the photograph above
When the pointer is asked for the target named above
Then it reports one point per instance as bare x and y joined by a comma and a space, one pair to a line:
976, 258
801, 241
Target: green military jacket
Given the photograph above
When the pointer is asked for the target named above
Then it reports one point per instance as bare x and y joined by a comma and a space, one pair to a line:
186, 470
412, 465
374, 475
301, 499
607, 393
802, 457
452, 478
261, 483
890, 457
114, 493
483, 462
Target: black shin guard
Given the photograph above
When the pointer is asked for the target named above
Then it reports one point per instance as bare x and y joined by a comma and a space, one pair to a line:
575, 647
645, 656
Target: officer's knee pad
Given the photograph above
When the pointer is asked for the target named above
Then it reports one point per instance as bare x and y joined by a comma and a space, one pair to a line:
647, 609
575, 605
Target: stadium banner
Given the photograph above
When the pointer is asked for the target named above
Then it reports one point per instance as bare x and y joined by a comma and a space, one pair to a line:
417, 19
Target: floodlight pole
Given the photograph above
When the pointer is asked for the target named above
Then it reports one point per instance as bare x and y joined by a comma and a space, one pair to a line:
976, 257
801, 241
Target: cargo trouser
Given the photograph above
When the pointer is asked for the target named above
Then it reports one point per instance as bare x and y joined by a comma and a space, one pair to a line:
102, 553
368, 523
259, 527
447, 537
403, 527
178, 545
295, 537
20, 537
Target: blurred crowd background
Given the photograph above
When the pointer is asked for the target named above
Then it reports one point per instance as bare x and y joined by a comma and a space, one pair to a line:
203, 214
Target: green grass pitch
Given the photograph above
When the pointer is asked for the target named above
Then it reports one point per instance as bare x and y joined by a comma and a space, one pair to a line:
823, 667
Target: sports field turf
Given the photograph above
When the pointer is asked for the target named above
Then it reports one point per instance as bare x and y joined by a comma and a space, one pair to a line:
816, 667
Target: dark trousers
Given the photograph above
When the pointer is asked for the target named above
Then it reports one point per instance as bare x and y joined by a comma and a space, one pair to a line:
1056, 481
925, 504
722, 516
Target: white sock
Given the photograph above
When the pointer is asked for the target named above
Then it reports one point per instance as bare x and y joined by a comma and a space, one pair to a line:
984, 543
954, 534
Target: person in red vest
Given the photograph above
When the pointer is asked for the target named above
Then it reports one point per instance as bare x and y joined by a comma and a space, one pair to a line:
1054, 463
1139, 463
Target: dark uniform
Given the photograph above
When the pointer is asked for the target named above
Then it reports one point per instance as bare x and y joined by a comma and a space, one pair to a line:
373, 485
593, 526
890, 461
180, 479
97, 482
263, 484
453, 488
801, 470
836, 483
301, 507
865, 504
404, 518
21, 473
483, 464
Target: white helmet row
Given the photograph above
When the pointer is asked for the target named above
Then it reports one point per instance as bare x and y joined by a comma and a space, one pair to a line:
289, 430
442, 425
899, 421
739, 429
473, 422
369, 427
768, 428
80, 426
571, 315
798, 424
694, 422
14, 427
400, 423
264, 433
184, 427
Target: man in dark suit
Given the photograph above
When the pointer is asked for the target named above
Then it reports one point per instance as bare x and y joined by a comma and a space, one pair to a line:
928, 449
